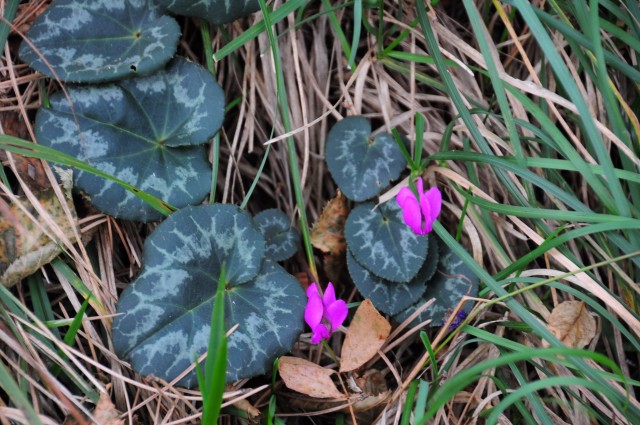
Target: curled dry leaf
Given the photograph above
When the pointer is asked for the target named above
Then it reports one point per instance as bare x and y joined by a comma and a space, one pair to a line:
366, 334
24, 246
571, 323
247, 407
105, 412
308, 378
328, 233
328, 236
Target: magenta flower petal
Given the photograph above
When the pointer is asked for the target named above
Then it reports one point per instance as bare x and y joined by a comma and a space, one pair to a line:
404, 195
425, 208
319, 333
329, 295
410, 208
312, 290
336, 313
420, 215
323, 315
434, 197
314, 310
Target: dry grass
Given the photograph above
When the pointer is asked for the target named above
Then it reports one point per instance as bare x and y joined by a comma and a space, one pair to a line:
321, 90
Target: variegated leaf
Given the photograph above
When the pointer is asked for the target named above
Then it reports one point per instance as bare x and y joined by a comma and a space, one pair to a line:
449, 284
149, 132
380, 241
359, 165
215, 11
165, 314
100, 40
393, 297
282, 239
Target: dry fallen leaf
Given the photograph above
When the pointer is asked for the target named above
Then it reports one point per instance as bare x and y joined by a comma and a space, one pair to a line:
328, 233
24, 247
308, 378
105, 411
328, 236
571, 323
366, 334
247, 407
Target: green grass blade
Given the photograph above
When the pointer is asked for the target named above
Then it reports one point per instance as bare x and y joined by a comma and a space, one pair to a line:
16, 395
591, 133
215, 366
408, 403
291, 148
357, 28
32, 150
256, 29
539, 328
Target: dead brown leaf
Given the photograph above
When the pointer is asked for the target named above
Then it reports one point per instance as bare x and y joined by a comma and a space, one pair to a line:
105, 411
366, 334
571, 323
24, 247
328, 233
308, 378
247, 407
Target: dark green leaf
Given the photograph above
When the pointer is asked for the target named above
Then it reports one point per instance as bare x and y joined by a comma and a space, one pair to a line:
165, 313
362, 166
451, 282
380, 241
393, 297
100, 40
149, 132
215, 11
282, 239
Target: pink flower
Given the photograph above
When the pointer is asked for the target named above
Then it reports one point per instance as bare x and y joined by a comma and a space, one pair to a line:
328, 308
420, 214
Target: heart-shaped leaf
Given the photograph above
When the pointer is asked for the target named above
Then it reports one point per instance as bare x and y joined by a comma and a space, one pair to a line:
215, 11
149, 132
282, 239
380, 241
165, 313
393, 297
359, 165
449, 284
100, 40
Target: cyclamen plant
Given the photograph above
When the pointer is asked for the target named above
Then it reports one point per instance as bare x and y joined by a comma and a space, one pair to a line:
392, 256
148, 126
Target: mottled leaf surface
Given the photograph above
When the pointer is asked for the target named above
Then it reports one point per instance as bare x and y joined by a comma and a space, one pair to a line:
282, 239
165, 313
269, 310
149, 132
393, 297
449, 284
362, 166
381, 242
100, 40
215, 11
